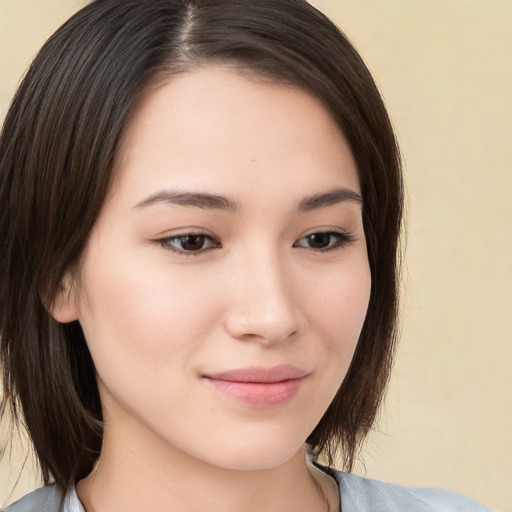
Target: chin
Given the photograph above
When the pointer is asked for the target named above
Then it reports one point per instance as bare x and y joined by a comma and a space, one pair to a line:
255, 456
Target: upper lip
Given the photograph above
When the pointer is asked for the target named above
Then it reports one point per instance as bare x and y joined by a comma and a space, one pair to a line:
262, 374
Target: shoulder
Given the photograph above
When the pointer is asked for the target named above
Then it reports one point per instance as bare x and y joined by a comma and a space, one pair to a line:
46, 499
360, 494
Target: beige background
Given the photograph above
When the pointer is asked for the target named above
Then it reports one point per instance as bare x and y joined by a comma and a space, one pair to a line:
445, 70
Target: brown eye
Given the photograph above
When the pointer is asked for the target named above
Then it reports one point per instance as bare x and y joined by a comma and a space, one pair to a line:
319, 240
189, 243
324, 240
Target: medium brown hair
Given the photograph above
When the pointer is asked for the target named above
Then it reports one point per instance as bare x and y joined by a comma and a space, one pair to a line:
58, 149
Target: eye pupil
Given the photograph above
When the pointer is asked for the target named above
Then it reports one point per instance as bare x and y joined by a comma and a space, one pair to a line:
319, 240
192, 242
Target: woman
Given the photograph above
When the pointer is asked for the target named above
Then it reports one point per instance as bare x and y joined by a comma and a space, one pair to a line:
199, 276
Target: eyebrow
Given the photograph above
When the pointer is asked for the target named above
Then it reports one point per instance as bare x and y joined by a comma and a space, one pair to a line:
194, 199
329, 198
216, 202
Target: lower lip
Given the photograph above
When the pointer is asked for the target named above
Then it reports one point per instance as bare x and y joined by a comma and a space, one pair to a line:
259, 394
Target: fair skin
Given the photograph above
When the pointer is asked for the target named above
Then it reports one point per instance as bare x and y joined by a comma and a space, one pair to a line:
176, 289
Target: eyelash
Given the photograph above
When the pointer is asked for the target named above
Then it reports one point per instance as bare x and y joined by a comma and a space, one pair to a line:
167, 241
342, 239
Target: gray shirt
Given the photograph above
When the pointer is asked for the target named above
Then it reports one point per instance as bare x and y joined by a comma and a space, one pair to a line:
357, 494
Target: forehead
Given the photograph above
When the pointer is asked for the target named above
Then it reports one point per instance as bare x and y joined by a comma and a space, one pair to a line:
211, 126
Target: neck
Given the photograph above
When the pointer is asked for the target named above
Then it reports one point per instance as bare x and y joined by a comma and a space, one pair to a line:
158, 477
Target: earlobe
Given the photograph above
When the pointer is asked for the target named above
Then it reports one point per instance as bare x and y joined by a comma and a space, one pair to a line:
63, 307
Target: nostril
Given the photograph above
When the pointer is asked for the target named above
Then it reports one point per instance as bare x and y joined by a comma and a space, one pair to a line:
267, 331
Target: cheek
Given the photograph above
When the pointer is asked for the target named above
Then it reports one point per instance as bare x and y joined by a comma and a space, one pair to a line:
339, 307
337, 311
144, 319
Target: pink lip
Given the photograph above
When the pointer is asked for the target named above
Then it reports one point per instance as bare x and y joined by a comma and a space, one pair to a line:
259, 386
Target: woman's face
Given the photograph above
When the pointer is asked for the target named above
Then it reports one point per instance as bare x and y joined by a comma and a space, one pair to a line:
225, 283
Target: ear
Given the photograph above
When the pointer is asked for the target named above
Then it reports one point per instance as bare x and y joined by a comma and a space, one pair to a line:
63, 307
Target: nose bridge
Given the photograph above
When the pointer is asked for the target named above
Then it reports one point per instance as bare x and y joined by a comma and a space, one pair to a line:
263, 305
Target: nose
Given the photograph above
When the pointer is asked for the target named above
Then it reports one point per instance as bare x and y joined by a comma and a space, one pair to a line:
262, 305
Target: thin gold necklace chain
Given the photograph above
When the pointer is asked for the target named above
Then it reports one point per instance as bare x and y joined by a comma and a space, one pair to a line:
317, 485
322, 494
